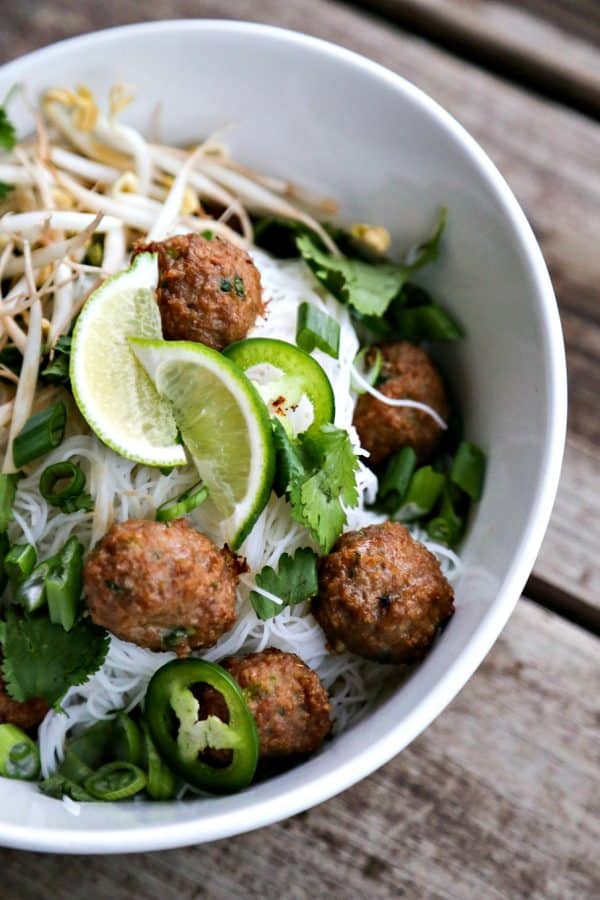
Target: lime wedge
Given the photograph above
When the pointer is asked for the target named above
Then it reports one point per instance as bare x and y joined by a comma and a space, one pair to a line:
113, 392
224, 425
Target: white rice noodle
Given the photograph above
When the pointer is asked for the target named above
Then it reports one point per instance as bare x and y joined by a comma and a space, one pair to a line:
396, 401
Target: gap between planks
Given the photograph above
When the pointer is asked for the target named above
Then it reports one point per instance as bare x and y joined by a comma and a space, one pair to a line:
522, 45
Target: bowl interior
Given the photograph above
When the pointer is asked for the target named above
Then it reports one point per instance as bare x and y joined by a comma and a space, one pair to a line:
333, 122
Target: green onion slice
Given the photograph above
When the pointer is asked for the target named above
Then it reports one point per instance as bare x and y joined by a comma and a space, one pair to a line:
182, 505
371, 375
161, 783
468, 469
64, 584
60, 481
447, 526
8, 489
115, 781
19, 755
398, 473
20, 561
42, 432
315, 328
126, 744
423, 493
31, 592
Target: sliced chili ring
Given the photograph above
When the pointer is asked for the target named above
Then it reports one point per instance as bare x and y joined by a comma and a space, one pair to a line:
171, 712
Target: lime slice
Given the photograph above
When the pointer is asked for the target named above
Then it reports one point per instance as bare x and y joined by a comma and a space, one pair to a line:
224, 425
113, 392
288, 380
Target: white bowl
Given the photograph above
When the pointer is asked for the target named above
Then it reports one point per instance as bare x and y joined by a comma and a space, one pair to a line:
347, 127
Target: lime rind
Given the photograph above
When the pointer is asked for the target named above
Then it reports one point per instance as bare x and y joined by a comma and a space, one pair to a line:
224, 425
112, 391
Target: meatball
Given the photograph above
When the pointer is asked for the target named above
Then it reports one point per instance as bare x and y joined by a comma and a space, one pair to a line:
382, 595
26, 715
289, 704
161, 586
409, 374
208, 290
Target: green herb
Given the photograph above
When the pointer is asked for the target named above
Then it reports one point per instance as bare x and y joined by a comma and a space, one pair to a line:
317, 474
19, 755
427, 251
174, 638
64, 585
41, 433
95, 252
5, 190
207, 234
183, 504
314, 328
396, 478
447, 526
57, 787
172, 253
423, 492
225, 285
294, 581
115, 781
61, 484
30, 593
239, 287
44, 660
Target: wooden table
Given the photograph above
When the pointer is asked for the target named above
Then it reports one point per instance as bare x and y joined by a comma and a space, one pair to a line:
500, 797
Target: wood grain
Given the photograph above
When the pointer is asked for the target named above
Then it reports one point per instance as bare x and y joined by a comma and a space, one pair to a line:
497, 800
532, 43
548, 154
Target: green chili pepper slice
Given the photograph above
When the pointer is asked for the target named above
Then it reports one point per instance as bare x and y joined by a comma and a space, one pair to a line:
299, 375
171, 711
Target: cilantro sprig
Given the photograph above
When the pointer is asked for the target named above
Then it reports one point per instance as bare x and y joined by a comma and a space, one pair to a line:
294, 581
44, 660
317, 475
8, 139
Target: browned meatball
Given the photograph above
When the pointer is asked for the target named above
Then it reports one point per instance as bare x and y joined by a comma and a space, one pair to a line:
161, 586
409, 374
208, 290
26, 715
289, 704
382, 595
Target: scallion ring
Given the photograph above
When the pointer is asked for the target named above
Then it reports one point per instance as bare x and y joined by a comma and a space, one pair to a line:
61, 481
372, 373
41, 433
315, 328
115, 781
182, 505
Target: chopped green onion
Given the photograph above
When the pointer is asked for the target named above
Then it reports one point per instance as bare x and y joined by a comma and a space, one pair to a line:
468, 469
57, 371
447, 526
398, 473
126, 744
57, 787
31, 592
423, 493
160, 781
61, 481
182, 505
207, 234
91, 747
8, 489
95, 252
64, 585
315, 328
427, 323
165, 470
42, 432
20, 561
372, 374
19, 755
115, 781
73, 768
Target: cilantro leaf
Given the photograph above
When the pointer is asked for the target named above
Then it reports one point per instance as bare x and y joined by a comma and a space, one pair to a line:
8, 135
367, 287
317, 474
44, 660
294, 581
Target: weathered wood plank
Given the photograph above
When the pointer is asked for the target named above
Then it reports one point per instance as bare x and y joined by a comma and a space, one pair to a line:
498, 799
533, 43
549, 156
